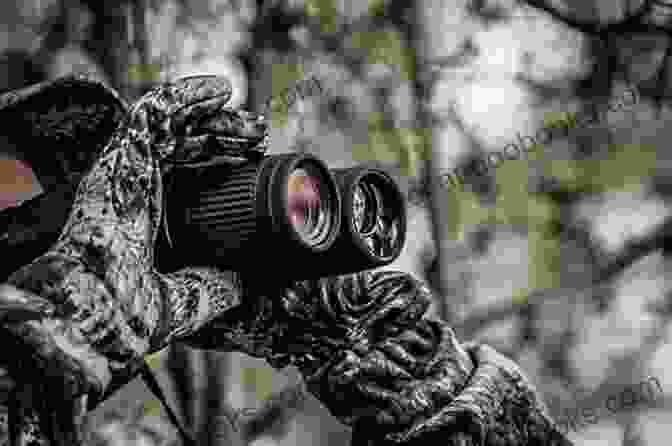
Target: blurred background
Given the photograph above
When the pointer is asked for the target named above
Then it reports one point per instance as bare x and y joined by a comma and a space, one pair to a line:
560, 260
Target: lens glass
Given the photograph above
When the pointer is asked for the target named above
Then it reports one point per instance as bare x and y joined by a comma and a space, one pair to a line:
308, 205
365, 209
375, 217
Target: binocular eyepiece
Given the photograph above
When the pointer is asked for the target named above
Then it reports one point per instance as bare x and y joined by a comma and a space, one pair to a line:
285, 216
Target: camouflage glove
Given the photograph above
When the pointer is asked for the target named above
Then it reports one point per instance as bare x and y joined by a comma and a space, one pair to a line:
368, 351
498, 406
81, 317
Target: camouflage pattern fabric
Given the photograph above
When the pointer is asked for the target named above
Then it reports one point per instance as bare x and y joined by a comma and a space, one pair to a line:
83, 314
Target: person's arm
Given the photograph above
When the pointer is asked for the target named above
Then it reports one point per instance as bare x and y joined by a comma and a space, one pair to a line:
370, 352
83, 314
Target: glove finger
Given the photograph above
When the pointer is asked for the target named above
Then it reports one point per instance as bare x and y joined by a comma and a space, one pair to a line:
347, 370
413, 341
390, 401
371, 418
451, 358
209, 149
496, 379
245, 124
367, 388
17, 305
452, 419
400, 312
376, 365
398, 354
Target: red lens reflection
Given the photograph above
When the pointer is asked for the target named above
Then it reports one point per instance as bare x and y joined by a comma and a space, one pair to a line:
17, 182
303, 200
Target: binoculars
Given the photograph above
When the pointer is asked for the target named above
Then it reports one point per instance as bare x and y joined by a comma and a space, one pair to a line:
288, 216
285, 217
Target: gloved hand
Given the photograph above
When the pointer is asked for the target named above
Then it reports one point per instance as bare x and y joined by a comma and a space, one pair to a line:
401, 367
81, 317
369, 352
497, 406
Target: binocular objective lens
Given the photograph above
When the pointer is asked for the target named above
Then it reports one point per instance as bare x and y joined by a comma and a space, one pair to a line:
365, 208
308, 205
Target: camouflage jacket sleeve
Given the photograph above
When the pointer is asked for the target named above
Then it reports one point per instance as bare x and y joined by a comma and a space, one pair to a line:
80, 317
370, 352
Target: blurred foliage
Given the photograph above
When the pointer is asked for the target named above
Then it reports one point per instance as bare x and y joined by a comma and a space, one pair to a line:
515, 205
152, 72
326, 12
378, 60
283, 84
406, 147
625, 168
259, 380
389, 48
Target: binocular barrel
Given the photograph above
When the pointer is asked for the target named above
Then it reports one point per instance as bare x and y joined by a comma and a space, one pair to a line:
286, 216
